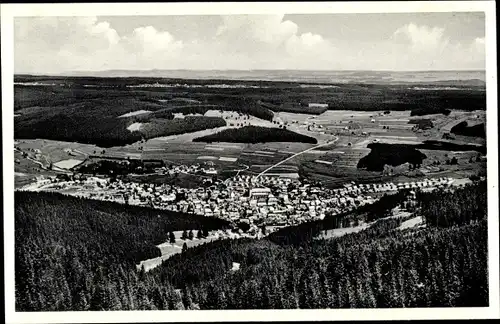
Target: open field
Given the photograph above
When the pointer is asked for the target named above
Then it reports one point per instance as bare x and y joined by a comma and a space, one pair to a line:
135, 127
68, 164
338, 232
359, 115
73, 102
255, 158
411, 223
135, 113
229, 156
168, 249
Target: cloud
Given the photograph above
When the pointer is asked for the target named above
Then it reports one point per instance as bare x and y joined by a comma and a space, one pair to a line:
51, 44
148, 40
263, 29
55, 44
472, 54
479, 41
270, 42
422, 38
415, 47
82, 33
59, 44
306, 43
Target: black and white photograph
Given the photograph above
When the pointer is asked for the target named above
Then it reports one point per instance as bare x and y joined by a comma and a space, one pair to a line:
238, 158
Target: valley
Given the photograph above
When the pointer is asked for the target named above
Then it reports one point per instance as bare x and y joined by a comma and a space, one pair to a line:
194, 184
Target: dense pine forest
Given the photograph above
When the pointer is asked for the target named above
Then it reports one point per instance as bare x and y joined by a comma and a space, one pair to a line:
75, 254
463, 128
396, 154
256, 134
382, 154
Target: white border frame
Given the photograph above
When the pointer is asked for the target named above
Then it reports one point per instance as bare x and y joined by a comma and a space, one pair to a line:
8, 12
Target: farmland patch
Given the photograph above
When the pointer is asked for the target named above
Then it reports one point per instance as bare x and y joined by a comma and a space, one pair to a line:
211, 148
67, 164
264, 152
135, 127
256, 154
411, 223
133, 155
206, 157
293, 175
135, 113
227, 159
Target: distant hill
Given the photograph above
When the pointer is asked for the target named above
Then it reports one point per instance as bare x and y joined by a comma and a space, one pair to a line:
471, 82
462, 78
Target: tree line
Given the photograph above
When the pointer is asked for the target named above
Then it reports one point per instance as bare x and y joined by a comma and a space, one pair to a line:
256, 134
164, 127
446, 208
390, 154
464, 129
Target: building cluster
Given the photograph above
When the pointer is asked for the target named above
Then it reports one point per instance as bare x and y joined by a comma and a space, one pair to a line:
205, 168
391, 186
257, 201
253, 200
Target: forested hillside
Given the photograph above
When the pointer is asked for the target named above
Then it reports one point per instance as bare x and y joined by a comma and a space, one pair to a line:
74, 107
77, 257
67, 248
256, 134
305, 232
402, 269
445, 209
77, 123
379, 267
463, 128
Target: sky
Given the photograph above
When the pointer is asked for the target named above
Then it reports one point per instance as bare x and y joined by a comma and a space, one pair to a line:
394, 42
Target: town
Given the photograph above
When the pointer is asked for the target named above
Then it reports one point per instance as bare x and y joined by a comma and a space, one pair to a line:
244, 200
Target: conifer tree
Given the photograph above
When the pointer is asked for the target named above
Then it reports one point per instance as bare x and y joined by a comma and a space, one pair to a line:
171, 237
186, 298
80, 301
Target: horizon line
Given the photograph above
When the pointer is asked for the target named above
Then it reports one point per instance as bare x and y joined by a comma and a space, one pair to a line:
236, 70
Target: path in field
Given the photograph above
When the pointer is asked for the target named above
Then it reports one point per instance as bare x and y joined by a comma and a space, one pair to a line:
37, 162
245, 168
297, 154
